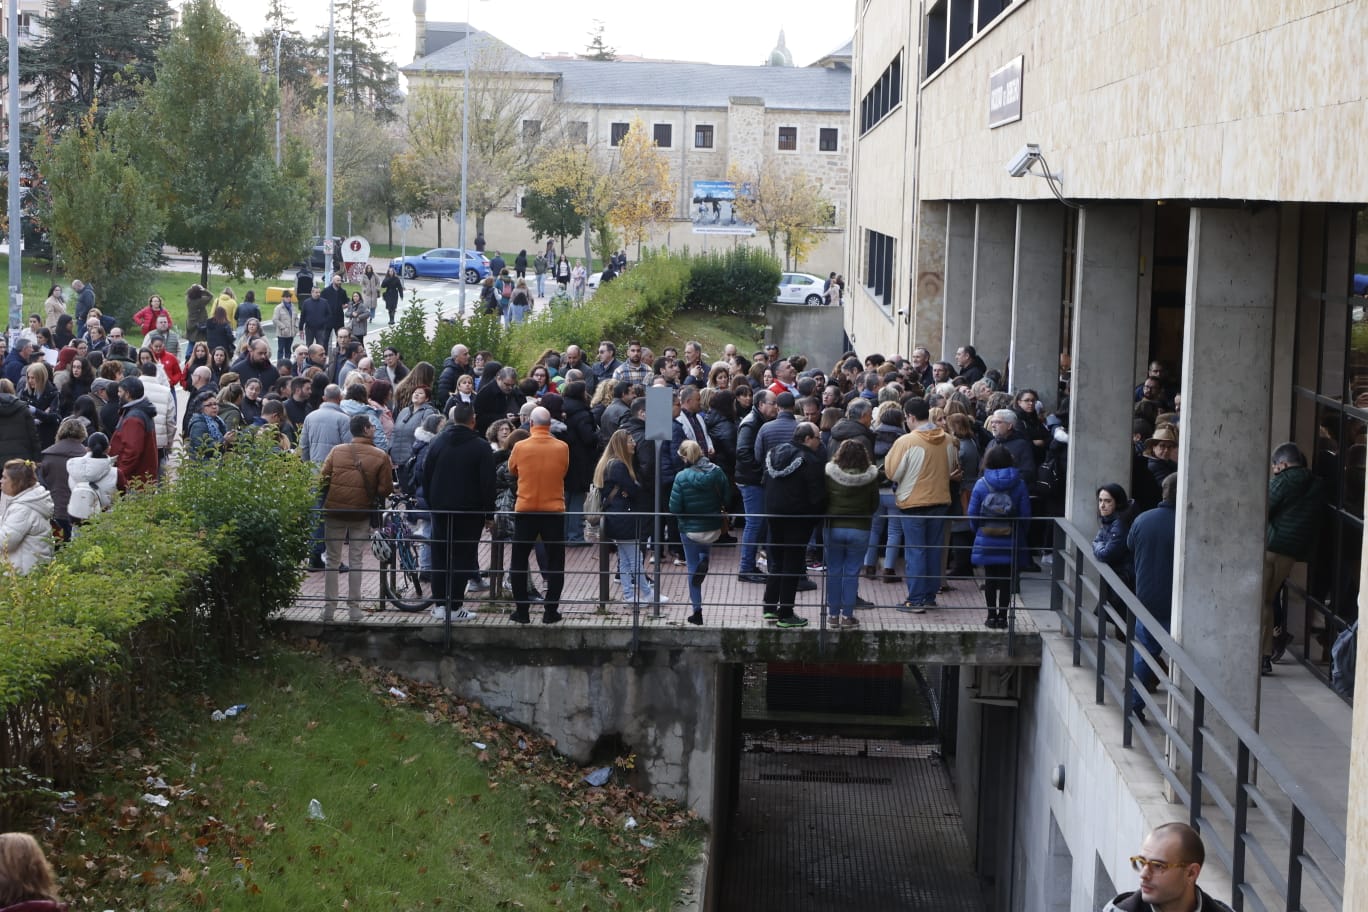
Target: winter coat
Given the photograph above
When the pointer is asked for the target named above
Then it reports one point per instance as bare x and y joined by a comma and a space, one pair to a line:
134, 444
18, 431
850, 429
582, 436
392, 289
197, 315
45, 412
1132, 902
1109, 544
458, 471
286, 320
219, 335
357, 477
54, 476
723, 433
996, 550
315, 315
1295, 500
749, 471
324, 428
26, 529
795, 482
624, 502
698, 495
337, 298
91, 480
163, 399
852, 497
205, 438
540, 463
370, 289
405, 427
777, 430
492, 403
920, 464
1023, 454
350, 408
1151, 541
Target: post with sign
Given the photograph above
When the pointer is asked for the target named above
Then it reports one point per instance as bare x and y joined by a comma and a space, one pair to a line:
403, 222
660, 429
355, 255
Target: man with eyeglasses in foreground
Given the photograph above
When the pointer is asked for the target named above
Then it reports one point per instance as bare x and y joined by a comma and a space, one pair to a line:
1169, 862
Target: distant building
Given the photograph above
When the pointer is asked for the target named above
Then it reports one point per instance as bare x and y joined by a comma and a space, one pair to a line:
705, 117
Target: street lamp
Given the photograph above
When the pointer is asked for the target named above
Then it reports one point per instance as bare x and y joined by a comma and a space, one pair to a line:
465, 152
16, 285
280, 34
328, 193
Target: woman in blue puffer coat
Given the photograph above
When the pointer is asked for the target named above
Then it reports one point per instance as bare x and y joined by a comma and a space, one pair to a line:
998, 508
1114, 514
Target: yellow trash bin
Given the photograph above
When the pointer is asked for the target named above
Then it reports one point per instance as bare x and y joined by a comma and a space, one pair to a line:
273, 294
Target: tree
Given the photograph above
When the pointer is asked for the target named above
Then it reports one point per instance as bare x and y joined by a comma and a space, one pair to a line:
94, 55
552, 215
573, 170
103, 213
596, 49
427, 174
366, 79
208, 135
641, 187
783, 203
300, 63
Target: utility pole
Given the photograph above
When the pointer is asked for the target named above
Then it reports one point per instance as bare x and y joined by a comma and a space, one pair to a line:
332, 72
16, 282
280, 35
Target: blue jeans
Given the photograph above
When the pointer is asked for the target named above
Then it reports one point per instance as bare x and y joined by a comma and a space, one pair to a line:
694, 554
574, 516
882, 529
636, 585
1139, 668
844, 555
923, 530
753, 503
541, 284
517, 314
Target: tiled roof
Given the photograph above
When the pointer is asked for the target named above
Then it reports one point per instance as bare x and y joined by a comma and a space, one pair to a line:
658, 83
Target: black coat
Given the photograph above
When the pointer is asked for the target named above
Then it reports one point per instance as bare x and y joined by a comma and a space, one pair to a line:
624, 503
748, 471
337, 299
18, 431
458, 471
723, 433
582, 436
315, 314
795, 481
492, 403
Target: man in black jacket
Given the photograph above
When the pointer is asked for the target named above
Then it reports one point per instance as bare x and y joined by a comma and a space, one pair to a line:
795, 487
458, 479
498, 399
1169, 863
336, 296
452, 369
749, 477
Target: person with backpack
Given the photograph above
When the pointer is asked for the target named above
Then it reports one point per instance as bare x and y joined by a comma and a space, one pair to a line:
998, 507
519, 303
504, 286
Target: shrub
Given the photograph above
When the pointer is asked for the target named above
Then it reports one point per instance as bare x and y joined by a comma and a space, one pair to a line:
410, 335
739, 281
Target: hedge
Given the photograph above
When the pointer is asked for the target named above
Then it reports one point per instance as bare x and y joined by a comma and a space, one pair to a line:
169, 586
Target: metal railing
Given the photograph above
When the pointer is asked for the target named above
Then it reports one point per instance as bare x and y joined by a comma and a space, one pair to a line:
399, 577
1273, 838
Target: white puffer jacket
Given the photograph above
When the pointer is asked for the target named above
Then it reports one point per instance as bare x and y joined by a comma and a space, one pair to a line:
26, 529
92, 480
163, 399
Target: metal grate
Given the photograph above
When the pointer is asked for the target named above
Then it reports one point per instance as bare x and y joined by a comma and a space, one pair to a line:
809, 835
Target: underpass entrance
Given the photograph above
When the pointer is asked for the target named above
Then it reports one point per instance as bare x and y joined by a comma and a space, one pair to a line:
840, 796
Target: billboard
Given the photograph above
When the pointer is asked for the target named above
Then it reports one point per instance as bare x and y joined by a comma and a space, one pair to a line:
712, 208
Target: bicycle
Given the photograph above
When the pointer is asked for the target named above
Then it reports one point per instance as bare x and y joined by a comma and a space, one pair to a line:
401, 567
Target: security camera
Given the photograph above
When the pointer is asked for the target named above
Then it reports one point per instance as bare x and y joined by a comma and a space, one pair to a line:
1022, 161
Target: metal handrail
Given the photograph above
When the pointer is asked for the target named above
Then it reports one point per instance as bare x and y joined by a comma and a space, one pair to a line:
1196, 785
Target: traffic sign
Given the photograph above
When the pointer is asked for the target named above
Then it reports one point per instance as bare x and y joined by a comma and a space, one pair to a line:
403, 222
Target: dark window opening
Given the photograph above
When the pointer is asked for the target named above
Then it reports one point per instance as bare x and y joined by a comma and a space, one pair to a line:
788, 139
663, 135
703, 136
617, 133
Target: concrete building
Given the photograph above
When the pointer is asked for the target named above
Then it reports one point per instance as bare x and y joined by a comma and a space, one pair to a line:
30, 32
1193, 196
705, 118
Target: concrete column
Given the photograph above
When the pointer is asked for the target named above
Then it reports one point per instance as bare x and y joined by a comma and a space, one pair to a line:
990, 323
1037, 299
1106, 285
1222, 460
928, 303
959, 280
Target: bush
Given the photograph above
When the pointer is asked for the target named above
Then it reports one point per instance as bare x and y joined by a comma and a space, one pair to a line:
639, 304
409, 334
739, 281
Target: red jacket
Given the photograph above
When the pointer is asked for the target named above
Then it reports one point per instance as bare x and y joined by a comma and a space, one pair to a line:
174, 374
134, 444
147, 319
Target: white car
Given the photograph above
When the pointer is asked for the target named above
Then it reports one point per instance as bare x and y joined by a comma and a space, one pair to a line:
800, 288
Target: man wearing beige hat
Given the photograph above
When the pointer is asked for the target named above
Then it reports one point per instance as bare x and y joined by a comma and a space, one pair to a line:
1161, 453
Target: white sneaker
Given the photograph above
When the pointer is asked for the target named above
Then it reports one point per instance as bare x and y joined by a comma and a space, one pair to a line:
460, 614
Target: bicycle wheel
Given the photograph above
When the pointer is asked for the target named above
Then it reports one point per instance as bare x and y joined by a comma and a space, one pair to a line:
399, 577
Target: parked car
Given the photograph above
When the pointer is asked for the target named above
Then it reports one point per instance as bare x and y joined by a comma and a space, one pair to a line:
443, 262
319, 262
799, 288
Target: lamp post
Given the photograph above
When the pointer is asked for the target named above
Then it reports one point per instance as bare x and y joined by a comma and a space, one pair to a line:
328, 192
280, 34
16, 283
465, 152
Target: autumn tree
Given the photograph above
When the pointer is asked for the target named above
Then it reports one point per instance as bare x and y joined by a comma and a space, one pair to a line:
641, 189
207, 135
103, 212
427, 173
786, 204
94, 55
573, 171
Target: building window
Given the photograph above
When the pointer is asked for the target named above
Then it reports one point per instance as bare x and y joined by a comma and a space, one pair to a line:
617, 133
828, 139
951, 24
703, 136
878, 267
883, 96
531, 131
664, 135
577, 132
788, 139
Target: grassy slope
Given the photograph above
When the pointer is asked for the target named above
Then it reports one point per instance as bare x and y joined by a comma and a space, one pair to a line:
417, 817
712, 331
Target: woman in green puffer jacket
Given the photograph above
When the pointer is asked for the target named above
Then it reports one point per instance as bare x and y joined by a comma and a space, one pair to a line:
700, 492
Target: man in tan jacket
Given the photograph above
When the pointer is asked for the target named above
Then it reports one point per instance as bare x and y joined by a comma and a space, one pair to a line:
922, 463
356, 477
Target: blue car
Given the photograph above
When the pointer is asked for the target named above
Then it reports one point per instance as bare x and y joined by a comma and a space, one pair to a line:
444, 263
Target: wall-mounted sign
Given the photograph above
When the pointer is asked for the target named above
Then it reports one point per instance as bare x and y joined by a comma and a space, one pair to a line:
1004, 94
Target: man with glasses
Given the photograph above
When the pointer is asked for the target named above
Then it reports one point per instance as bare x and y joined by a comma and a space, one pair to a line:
1169, 863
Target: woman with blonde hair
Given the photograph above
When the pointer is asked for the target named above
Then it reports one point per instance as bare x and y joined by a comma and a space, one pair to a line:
421, 374
623, 498
26, 880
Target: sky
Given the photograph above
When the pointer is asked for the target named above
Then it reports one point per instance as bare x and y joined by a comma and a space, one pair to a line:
707, 31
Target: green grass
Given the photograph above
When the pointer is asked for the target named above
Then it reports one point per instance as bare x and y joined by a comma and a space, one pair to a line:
417, 817
712, 331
